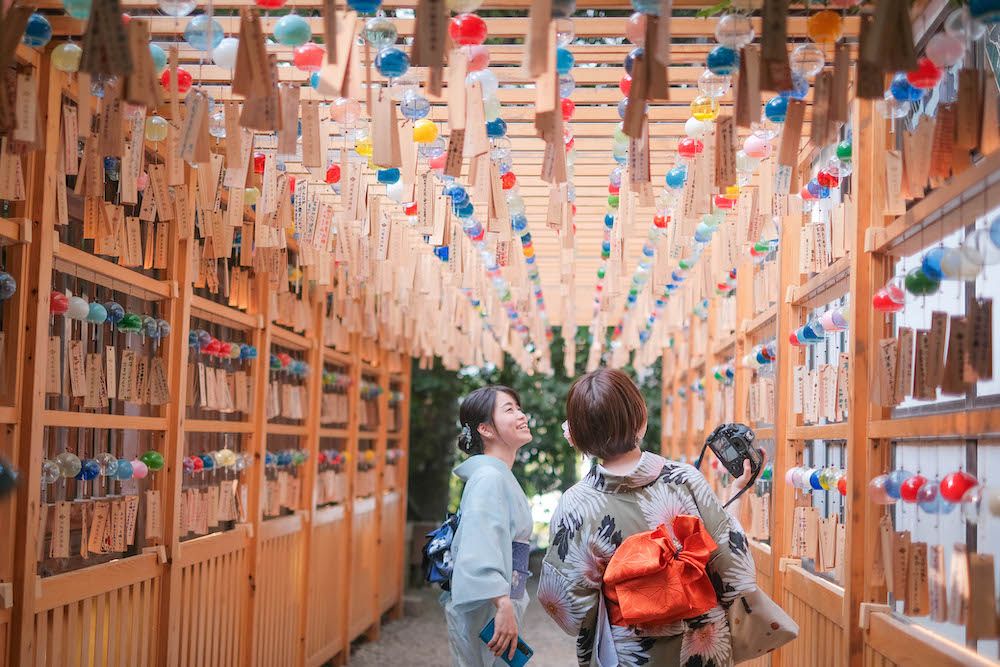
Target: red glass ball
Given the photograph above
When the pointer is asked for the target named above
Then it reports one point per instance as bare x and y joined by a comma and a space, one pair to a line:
568, 107
291, 184
258, 163
689, 147
225, 349
842, 486
625, 85
827, 180
467, 30
411, 208
909, 488
322, 458
954, 485
508, 180
198, 463
126, 18
333, 173
184, 80
285, 359
270, 4
572, 208
437, 162
881, 303
722, 201
212, 347
660, 221
794, 340
614, 189
58, 303
926, 75
806, 195
308, 57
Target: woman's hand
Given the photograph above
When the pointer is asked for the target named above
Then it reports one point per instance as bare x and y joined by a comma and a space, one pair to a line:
504, 629
737, 484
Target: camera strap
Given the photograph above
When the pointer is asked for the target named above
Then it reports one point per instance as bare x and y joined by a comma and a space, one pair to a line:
754, 474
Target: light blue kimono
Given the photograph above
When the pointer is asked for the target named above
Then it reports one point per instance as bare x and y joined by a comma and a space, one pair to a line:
494, 514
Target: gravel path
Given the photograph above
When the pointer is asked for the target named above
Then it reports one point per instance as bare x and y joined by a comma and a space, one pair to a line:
420, 638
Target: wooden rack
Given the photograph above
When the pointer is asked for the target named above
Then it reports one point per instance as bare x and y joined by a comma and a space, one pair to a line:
838, 623
293, 589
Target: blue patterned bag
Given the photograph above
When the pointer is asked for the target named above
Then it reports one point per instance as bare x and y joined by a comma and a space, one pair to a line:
437, 563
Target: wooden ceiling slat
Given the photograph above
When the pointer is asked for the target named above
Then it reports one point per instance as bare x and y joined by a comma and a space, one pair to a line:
505, 27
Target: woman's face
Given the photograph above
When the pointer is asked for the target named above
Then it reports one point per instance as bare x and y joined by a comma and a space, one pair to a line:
509, 422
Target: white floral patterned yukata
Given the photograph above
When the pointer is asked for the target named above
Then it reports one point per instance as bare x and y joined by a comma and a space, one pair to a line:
588, 526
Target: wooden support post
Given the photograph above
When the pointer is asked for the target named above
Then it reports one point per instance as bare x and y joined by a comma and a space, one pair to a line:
865, 457
257, 447
179, 314
35, 333
787, 451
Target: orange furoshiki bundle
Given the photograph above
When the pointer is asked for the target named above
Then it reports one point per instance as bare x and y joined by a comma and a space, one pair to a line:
649, 583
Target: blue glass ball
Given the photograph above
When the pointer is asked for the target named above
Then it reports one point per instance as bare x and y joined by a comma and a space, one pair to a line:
8, 285
248, 352
647, 6
564, 60
207, 460
904, 91
817, 190
392, 62
496, 128
676, 178
414, 106
723, 60
677, 276
78, 9
284, 458
123, 470
388, 176
466, 210
115, 312
894, 480
931, 264
441, 252
314, 80
364, 6
630, 58
702, 233
204, 32
799, 89
292, 30
776, 109
987, 11
89, 470
995, 231
193, 338
519, 222
159, 57
270, 459
623, 108
38, 31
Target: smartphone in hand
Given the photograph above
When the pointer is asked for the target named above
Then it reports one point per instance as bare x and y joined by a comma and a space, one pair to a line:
522, 654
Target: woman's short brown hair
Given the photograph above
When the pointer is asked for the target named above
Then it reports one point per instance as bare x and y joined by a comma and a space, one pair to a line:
605, 412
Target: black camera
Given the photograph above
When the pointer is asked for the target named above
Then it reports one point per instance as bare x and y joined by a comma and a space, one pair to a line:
733, 444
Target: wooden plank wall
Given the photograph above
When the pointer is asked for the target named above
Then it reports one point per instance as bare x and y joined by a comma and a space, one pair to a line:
266, 592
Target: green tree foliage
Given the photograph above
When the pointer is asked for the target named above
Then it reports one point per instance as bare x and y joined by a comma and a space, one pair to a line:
548, 463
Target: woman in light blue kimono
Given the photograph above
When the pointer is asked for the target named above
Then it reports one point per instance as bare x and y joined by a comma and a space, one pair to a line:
491, 547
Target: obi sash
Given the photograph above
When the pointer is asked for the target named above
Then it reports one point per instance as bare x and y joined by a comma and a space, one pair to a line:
520, 551
649, 582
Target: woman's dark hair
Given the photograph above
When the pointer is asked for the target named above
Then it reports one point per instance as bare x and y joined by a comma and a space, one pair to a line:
477, 408
605, 412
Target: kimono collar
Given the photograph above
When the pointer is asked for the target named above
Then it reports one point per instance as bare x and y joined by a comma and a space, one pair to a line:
647, 470
467, 468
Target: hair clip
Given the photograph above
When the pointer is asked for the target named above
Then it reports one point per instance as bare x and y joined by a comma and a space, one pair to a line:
465, 439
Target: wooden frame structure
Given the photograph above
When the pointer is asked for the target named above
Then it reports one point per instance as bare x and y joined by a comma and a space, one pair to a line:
270, 590
846, 623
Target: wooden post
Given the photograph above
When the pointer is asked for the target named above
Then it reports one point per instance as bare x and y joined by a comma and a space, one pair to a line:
867, 457
35, 333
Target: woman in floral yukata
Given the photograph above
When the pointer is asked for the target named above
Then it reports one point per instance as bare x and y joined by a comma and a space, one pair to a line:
631, 491
491, 546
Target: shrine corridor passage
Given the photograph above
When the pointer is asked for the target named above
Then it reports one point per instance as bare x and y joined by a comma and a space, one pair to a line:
421, 640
